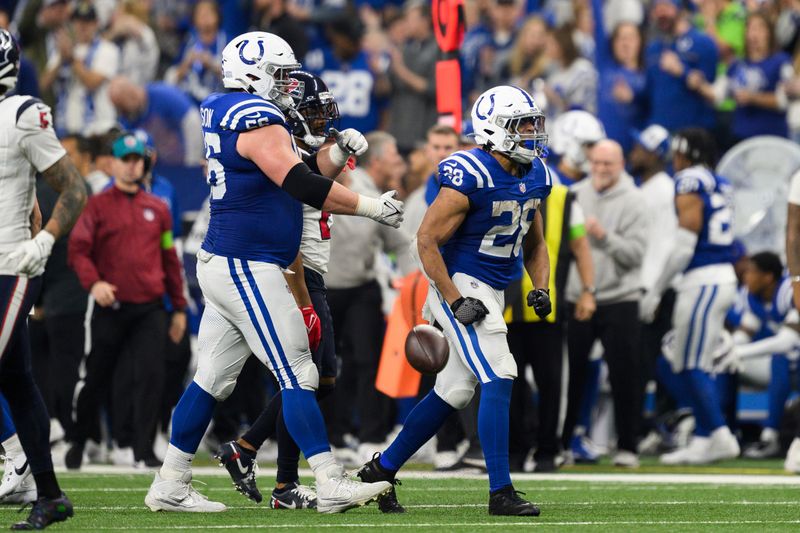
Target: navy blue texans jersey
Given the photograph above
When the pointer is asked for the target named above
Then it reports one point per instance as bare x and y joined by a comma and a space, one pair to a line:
251, 217
772, 314
715, 241
488, 244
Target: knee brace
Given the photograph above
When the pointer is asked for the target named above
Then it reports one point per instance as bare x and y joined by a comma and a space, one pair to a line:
457, 394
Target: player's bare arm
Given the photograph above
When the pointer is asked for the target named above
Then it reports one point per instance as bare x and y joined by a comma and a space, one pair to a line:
295, 278
36, 218
442, 219
270, 149
793, 248
690, 212
65, 179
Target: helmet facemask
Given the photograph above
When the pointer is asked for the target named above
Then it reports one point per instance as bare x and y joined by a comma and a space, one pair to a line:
525, 137
282, 84
313, 120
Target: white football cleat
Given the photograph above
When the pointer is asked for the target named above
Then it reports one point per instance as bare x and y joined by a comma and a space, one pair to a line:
792, 462
626, 459
341, 493
179, 496
696, 447
18, 485
723, 445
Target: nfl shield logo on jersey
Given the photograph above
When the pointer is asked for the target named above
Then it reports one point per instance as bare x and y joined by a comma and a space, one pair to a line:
522, 188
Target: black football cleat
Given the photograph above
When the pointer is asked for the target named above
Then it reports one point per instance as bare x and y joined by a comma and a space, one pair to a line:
46, 511
293, 496
372, 472
506, 502
241, 466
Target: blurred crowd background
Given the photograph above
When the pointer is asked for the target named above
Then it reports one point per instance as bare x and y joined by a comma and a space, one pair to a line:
596, 68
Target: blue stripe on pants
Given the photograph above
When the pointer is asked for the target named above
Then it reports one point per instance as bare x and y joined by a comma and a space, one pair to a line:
703, 326
253, 319
461, 341
482, 358
270, 326
691, 328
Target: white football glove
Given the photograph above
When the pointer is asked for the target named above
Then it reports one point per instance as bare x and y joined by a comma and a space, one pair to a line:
31, 255
386, 209
648, 306
348, 142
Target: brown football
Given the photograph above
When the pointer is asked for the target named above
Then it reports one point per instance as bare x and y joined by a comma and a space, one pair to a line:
427, 349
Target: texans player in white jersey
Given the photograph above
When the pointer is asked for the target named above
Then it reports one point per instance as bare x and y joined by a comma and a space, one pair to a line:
471, 244
29, 145
703, 251
311, 121
258, 182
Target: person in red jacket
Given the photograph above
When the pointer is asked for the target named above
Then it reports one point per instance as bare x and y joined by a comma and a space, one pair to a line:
121, 249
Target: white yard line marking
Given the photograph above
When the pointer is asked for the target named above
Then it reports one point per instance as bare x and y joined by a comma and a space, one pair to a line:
623, 478
534, 522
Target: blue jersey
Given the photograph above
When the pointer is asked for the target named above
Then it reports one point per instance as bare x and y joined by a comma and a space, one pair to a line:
251, 217
488, 244
760, 77
715, 242
765, 318
352, 84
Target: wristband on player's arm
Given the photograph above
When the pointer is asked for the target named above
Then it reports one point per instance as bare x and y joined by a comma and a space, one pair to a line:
307, 186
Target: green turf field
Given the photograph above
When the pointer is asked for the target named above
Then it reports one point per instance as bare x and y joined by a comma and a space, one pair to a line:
110, 502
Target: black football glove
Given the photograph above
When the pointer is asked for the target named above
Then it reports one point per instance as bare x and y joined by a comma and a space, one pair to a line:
539, 299
468, 310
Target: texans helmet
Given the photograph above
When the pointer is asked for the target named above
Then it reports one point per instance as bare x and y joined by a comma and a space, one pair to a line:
9, 61
315, 110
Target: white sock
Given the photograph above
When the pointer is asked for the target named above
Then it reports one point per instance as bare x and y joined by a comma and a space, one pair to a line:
321, 466
769, 435
176, 463
14, 449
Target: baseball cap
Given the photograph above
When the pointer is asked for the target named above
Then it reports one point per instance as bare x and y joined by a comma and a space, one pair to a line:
84, 11
128, 144
654, 138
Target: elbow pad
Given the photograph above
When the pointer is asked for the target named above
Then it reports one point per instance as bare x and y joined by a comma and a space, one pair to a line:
304, 185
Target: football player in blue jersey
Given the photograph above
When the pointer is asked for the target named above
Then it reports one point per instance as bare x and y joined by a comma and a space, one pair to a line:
258, 186
313, 119
482, 227
704, 252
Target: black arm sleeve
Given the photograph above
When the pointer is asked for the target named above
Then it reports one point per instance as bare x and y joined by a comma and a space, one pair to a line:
306, 186
311, 161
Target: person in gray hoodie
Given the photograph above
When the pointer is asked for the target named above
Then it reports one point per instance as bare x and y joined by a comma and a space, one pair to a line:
616, 223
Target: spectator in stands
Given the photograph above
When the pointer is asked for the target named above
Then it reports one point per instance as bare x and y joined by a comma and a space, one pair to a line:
273, 16
122, 250
616, 223
527, 61
668, 61
355, 300
79, 72
170, 117
198, 72
571, 79
61, 312
101, 160
724, 22
349, 73
37, 21
755, 82
621, 90
487, 44
412, 107
137, 42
